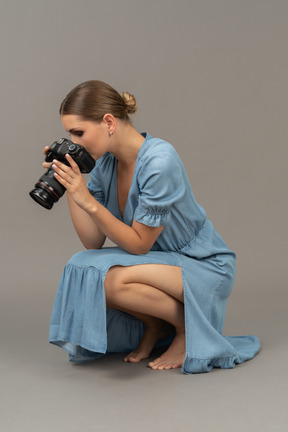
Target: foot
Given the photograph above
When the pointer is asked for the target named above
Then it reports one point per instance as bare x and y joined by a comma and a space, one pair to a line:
151, 336
174, 356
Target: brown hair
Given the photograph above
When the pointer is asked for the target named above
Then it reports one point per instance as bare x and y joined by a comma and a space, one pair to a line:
91, 100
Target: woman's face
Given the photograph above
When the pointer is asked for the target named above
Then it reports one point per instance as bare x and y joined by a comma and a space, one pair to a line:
93, 136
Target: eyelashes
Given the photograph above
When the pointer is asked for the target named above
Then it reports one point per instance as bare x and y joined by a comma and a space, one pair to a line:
76, 133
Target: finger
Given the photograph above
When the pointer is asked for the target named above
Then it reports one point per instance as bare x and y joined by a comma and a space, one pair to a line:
73, 164
45, 150
63, 167
63, 178
46, 164
63, 172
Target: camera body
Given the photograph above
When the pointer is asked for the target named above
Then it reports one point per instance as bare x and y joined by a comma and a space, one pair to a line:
63, 146
48, 190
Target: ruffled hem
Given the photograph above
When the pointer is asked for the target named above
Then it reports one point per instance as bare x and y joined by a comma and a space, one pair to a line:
194, 365
79, 313
124, 333
191, 365
81, 324
150, 217
77, 353
246, 347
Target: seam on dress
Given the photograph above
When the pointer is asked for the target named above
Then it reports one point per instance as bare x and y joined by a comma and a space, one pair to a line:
146, 211
184, 281
212, 359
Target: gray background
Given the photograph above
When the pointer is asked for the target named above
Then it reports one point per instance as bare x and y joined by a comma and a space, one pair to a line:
209, 76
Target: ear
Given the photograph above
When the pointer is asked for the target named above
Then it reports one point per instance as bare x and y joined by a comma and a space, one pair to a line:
110, 121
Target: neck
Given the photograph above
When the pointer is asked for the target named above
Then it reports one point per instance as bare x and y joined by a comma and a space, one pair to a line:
126, 144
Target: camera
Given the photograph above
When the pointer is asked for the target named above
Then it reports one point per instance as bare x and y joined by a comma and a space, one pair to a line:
48, 190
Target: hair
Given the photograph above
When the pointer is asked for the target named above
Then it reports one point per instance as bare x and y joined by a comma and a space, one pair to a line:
91, 100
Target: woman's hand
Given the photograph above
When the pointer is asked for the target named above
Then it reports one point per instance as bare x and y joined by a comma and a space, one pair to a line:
71, 178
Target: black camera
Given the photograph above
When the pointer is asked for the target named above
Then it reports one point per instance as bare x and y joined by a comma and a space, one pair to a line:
48, 190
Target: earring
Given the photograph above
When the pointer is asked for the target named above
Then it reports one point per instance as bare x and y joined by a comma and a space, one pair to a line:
110, 133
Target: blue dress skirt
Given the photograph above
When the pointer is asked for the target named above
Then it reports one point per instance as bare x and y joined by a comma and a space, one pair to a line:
160, 195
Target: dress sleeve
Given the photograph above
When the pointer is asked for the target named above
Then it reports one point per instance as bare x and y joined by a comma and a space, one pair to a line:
161, 186
95, 185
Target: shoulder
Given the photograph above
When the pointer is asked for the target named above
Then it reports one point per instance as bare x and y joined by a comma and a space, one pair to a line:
159, 154
157, 146
160, 167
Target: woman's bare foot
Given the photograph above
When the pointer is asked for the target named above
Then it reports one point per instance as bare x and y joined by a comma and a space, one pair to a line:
152, 335
174, 356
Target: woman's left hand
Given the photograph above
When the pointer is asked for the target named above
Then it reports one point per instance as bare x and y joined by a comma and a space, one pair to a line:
71, 178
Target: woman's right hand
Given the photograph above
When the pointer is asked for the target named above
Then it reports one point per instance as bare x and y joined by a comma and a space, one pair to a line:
46, 164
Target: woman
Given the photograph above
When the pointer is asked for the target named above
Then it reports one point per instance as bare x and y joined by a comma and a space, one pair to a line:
168, 280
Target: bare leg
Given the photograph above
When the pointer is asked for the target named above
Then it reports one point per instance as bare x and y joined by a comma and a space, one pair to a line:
156, 291
155, 330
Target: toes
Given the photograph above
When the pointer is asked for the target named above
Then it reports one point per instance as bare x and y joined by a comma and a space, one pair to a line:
134, 357
154, 363
163, 364
134, 360
130, 357
159, 364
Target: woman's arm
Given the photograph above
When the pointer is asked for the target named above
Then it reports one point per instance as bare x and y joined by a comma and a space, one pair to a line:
137, 239
88, 231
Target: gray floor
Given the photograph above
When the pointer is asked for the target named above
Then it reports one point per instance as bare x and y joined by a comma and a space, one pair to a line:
41, 391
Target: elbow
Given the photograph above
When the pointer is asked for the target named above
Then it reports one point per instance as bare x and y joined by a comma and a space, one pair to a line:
141, 250
90, 245
144, 251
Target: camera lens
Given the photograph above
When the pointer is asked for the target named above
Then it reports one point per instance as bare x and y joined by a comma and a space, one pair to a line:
48, 190
42, 197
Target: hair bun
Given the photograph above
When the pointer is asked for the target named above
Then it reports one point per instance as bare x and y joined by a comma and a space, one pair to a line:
130, 102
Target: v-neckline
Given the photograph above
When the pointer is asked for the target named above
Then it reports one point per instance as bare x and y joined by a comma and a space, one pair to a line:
145, 136
117, 195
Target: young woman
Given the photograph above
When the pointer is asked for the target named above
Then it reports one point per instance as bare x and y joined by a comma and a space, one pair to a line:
168, 280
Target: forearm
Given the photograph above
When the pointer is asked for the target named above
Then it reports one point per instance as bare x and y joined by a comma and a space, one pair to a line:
88, 232
118, 232
93, 222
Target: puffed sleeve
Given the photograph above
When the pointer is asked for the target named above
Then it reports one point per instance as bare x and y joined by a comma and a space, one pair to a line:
160, 182
95, 184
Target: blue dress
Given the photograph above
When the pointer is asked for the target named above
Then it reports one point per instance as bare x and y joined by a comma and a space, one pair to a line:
160, 194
